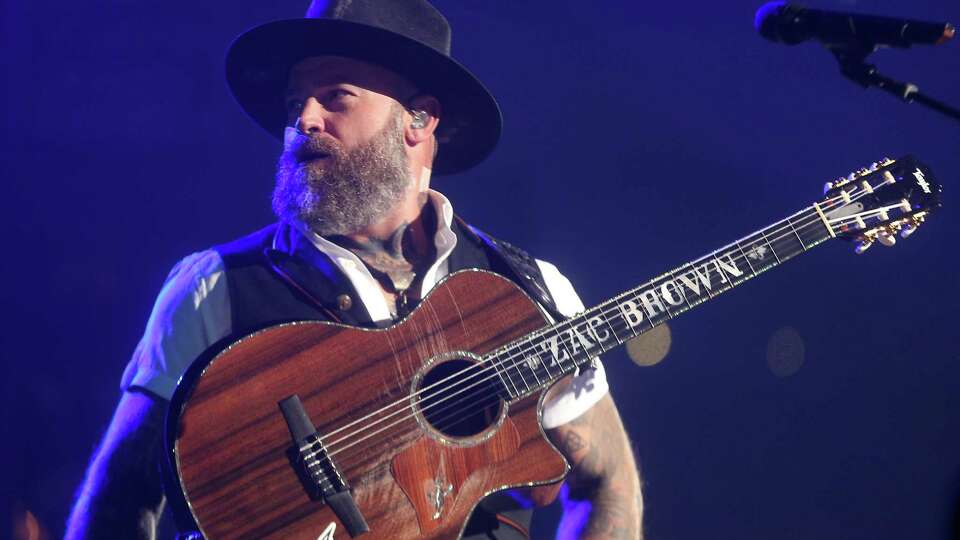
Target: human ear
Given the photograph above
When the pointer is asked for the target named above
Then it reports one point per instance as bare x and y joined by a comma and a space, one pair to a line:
424, 117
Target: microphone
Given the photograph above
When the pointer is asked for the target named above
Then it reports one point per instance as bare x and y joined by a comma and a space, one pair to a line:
790, 24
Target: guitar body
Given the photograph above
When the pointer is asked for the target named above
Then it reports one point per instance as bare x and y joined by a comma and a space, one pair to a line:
412, 472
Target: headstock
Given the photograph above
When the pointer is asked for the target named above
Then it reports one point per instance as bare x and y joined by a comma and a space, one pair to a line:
876, 203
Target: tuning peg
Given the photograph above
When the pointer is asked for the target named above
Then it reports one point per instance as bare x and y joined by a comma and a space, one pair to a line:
886, 238
827, 187
907, 230
862, 246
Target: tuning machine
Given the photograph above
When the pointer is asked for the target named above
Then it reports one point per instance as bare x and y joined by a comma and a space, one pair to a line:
839, 182
866, 240
911, 224
859, 173
907, 230
887, 236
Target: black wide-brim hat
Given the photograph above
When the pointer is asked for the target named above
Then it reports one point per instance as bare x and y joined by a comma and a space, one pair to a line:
409, 37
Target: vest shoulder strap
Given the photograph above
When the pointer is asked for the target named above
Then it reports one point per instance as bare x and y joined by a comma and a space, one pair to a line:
521, 266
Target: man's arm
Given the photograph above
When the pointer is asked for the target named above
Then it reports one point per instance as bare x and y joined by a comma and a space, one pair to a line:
604, 481
121, 495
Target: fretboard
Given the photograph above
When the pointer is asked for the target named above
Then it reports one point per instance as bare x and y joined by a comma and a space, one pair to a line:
539, 359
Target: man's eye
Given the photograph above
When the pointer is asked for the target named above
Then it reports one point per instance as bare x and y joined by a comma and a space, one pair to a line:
337, 93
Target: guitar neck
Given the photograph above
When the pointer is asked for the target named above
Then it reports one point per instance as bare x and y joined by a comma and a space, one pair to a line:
539, 359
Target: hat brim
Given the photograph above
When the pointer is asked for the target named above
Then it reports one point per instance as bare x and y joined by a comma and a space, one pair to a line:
259, 61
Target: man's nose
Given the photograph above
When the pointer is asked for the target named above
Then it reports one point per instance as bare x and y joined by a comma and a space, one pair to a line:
310, 120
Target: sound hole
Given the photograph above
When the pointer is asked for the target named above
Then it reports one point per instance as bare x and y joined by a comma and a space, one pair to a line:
460, 398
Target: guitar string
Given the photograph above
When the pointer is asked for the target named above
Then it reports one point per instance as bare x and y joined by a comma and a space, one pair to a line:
828, 204
377, 412
449, 407
803, 226
868, 214
484, 398
480, 400
525, 341
478, 389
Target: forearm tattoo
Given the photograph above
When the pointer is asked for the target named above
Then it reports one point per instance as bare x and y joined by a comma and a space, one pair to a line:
604, 473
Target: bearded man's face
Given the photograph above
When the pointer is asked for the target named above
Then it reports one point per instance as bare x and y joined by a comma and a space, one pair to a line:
337, 192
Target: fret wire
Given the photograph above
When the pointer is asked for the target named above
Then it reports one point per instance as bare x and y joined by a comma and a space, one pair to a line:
533, 370
651, 321
710, 281
519, 360
595, 346
815, 230
611, 314
546, 365
688, 270
701, 288
794, 229
752, 269
561, 349
634, 296
516, 368
720, 274
613, 330
769, 245
765, 263
586, 336
539, 352
649, 290
516, 393
614, 308
568, 342
653, 290
495, 363
610, 328
591, 330
558, 336
683, 294
733, 260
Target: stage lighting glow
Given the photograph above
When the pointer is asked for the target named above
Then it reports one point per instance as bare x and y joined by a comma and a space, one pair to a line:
651, 347
785, 352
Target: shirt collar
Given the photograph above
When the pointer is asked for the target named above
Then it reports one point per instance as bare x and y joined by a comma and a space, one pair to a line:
445, 240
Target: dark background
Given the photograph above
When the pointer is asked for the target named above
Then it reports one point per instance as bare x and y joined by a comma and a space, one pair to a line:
638, 135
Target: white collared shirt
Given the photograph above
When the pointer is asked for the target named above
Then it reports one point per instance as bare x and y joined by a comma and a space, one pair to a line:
192, 312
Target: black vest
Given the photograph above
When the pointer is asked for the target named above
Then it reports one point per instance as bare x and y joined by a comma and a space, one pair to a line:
277, 275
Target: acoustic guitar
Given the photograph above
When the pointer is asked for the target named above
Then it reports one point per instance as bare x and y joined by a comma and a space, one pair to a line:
313, 430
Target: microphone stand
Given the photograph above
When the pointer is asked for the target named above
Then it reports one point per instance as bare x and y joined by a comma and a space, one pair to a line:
853, 66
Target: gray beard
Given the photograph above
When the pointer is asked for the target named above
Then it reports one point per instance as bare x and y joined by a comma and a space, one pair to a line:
346, 192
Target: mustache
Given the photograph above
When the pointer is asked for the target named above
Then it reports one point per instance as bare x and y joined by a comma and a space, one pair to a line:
305, 147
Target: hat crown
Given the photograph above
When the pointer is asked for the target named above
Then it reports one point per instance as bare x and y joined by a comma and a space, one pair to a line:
415, 19
409, 37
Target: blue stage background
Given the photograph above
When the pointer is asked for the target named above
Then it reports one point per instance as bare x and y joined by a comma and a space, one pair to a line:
637, 136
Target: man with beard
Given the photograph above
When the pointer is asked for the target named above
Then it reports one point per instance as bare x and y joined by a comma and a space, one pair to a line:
374, 105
